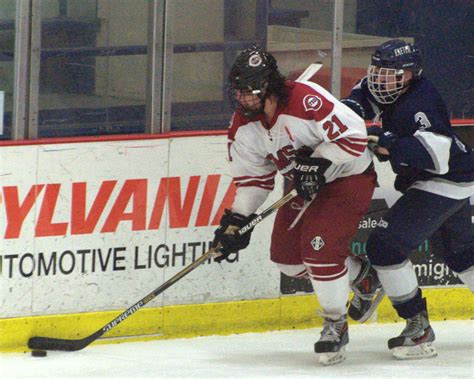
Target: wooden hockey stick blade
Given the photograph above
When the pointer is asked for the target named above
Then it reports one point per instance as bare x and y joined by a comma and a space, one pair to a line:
47, 343
312, 69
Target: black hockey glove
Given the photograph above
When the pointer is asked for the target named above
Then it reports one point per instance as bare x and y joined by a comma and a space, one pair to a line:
226, 239
308, 175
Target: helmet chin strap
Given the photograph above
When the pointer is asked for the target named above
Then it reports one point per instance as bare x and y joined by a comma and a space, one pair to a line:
254, 113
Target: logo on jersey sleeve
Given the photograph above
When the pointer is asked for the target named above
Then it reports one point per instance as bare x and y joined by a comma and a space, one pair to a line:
312, 102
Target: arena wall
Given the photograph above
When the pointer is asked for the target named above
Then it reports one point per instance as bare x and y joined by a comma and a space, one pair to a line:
91, 226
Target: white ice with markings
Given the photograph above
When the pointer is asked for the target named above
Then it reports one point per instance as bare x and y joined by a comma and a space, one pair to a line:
286, 354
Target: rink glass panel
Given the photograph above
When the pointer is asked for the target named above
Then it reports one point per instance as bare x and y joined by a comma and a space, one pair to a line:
93, 71
7, 55
108, 67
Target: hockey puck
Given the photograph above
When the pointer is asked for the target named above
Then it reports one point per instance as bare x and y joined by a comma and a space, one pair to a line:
39, 353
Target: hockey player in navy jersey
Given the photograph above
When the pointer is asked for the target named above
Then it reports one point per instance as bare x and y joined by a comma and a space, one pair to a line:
320, 145
435, 173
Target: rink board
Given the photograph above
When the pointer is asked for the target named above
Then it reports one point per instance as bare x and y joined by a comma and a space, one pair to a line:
92, 227
186, 321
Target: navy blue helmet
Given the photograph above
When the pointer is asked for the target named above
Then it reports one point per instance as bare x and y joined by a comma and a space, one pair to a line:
400, 55
388, 74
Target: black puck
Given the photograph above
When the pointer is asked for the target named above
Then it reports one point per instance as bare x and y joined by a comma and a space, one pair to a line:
39, 353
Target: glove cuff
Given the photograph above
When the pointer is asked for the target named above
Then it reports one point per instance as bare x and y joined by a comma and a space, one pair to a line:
232, 218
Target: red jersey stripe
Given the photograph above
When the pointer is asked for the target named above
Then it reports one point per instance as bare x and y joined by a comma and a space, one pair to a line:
271, 175
354, 146
347, 150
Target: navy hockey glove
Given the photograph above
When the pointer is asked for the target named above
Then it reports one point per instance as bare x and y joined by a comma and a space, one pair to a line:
308, 175
374, 147
227, 240
381, 137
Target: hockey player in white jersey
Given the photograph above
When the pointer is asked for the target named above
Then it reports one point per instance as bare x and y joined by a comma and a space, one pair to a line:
320, 145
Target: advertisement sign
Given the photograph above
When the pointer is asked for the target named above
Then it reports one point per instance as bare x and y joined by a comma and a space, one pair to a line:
95, 226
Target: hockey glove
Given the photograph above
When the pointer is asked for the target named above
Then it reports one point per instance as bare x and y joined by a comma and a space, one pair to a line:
382, 138
227, 240
308, 175
374, 147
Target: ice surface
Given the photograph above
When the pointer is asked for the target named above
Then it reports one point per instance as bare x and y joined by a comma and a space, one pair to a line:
286, 354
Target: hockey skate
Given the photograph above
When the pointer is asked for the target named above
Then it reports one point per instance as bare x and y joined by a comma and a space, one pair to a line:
416, 340
331, 345
368, 293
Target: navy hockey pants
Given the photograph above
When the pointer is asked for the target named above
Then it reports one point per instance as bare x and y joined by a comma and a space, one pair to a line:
416, 216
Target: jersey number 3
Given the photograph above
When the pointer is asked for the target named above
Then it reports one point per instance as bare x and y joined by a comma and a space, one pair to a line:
334, 128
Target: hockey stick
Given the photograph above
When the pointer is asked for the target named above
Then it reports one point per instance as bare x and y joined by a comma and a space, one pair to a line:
373, 142
312, 69
373, 146
47, 343
373, 306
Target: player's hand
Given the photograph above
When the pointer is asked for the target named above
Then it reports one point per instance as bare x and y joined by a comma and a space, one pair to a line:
380, 142
382, 138
381, 153
308, 175
227, 240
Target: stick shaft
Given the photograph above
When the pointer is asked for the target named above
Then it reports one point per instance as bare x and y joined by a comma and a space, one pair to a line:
312, 69
47, 343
